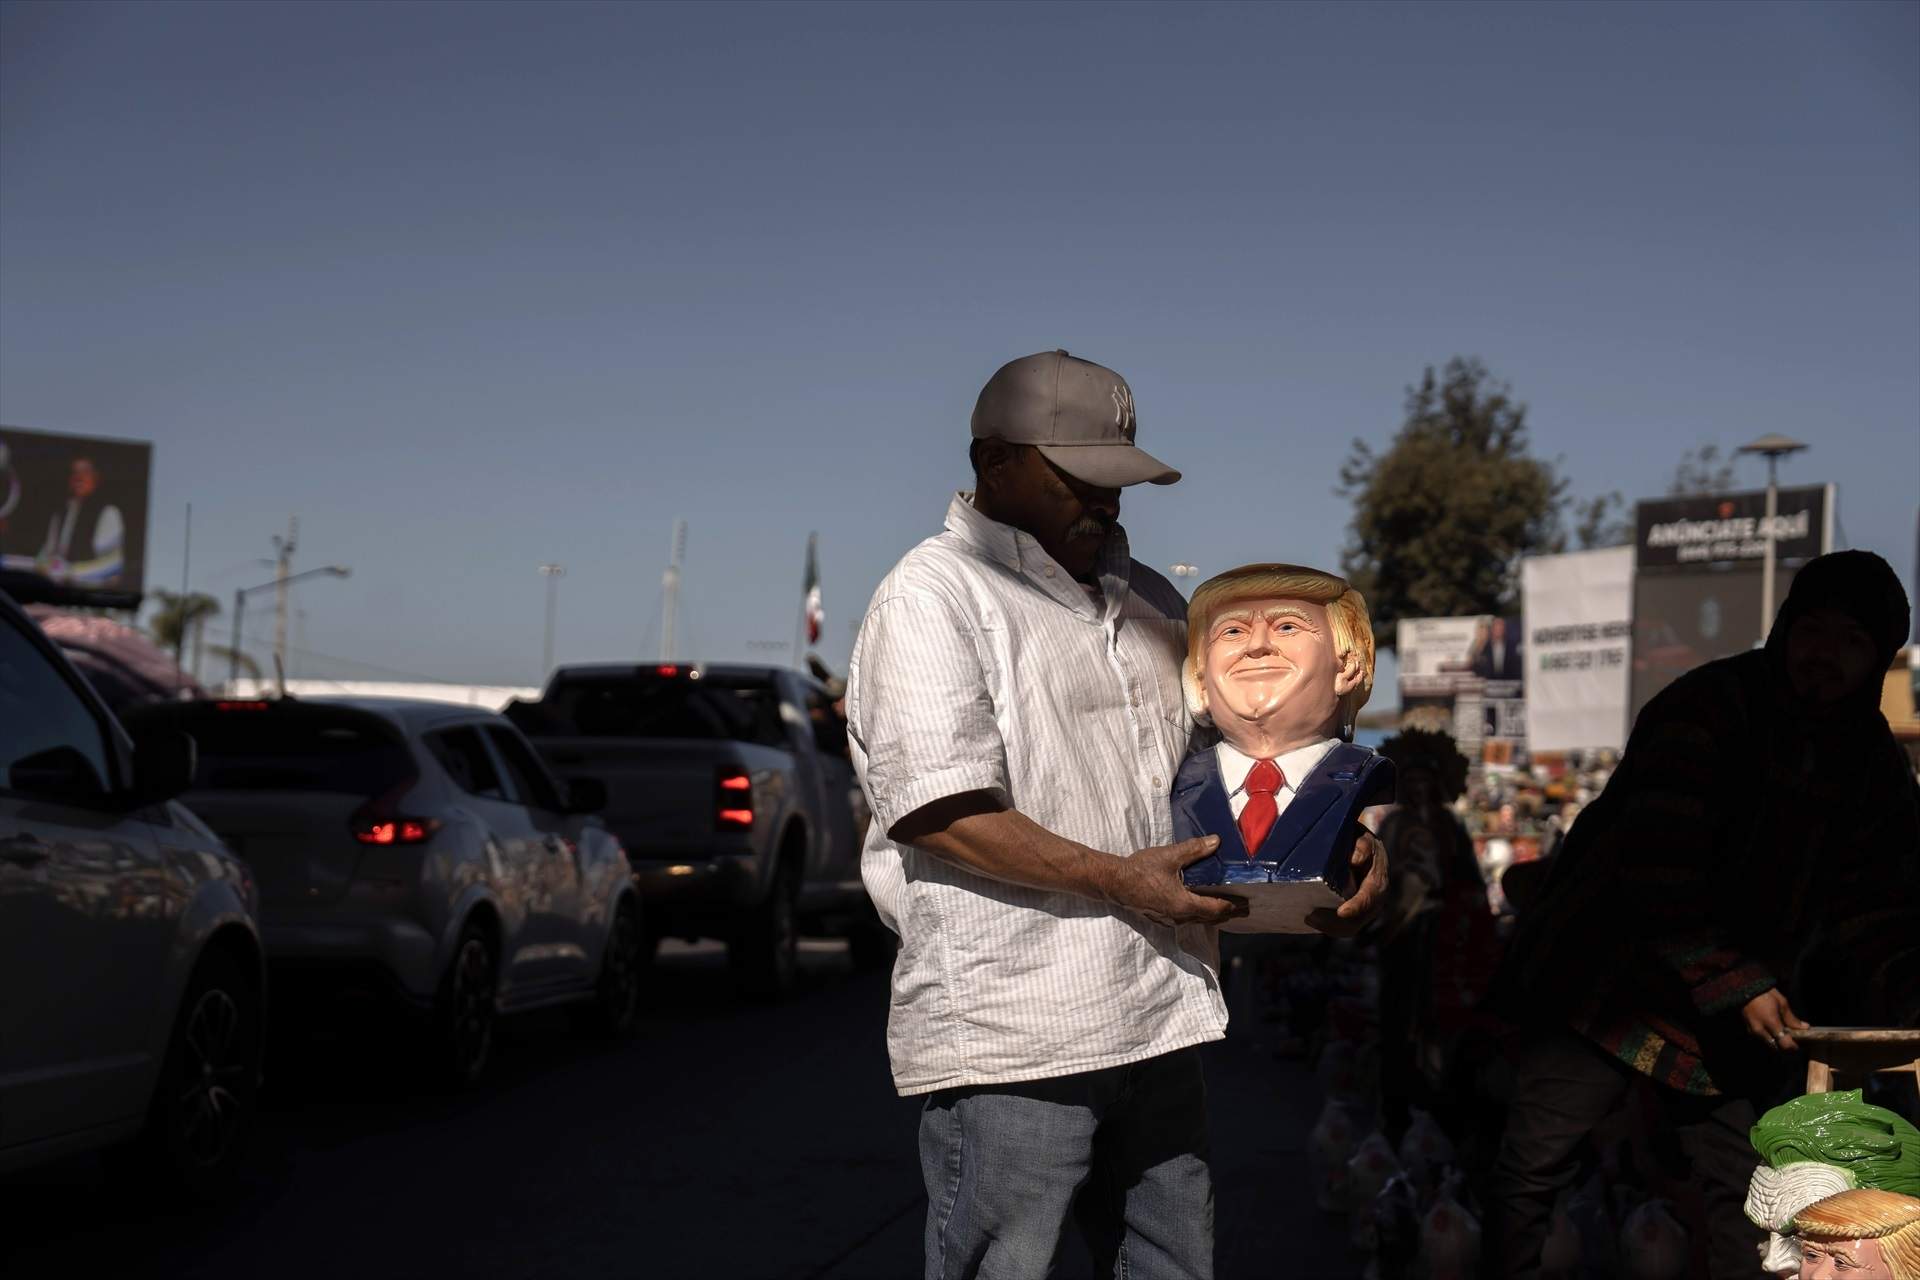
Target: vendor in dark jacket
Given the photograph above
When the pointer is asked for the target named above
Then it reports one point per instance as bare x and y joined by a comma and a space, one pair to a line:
1761, 829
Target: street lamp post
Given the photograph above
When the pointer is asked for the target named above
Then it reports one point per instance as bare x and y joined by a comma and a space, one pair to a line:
552, 573
1183, 571
1772, 448
240, 604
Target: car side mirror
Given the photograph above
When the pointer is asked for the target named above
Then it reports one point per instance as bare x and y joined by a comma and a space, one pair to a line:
63, 774
164, 761
586, 795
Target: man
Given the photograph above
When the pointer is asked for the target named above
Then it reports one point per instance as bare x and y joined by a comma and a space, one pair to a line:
1755, 851
1497, 656
1016, 718
85, 535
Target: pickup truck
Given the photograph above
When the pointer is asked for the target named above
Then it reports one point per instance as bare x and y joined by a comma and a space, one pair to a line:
732, 791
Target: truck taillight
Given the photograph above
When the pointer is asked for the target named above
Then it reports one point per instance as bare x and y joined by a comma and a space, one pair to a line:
733, 799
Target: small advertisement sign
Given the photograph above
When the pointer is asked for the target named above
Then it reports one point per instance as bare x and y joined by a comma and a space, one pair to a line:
1473, 668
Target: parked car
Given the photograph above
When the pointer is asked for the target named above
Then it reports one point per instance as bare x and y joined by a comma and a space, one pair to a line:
131, 985
731, 788
419, 849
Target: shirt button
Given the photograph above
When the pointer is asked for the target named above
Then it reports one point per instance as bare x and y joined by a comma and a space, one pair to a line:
1047, 569
1156, 782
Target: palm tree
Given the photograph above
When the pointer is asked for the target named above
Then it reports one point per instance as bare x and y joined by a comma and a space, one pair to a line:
186, 616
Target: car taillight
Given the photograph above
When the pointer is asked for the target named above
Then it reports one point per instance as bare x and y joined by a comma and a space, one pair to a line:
394, 830
733, 800
376, 821
250, 704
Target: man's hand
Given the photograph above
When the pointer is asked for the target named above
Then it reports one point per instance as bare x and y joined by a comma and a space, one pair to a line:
1149, 883
1370, 866
1769, 1016
977, 830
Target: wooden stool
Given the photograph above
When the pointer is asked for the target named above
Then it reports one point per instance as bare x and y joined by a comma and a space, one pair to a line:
1856, 1051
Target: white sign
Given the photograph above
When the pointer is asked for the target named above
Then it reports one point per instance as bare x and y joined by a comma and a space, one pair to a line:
1578, 616
1433, 651
1436, 671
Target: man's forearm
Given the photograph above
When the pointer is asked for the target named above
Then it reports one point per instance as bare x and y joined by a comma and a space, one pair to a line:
977, 832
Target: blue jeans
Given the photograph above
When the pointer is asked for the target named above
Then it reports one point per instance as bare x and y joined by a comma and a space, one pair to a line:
1124, 1148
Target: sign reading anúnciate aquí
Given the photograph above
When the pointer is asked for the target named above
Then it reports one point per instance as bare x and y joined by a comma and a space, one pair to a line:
1730, 528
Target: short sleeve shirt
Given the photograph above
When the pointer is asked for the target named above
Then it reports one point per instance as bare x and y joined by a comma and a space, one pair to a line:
983, 666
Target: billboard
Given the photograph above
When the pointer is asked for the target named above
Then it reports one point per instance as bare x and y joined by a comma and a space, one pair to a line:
1726, 528
1698, 589
1681, 620
1579, 624
1470, 670
73, 517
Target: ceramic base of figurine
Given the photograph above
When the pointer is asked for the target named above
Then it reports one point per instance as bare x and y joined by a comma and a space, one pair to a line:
1275, 906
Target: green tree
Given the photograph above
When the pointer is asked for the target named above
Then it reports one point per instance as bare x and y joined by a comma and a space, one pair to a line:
1606, 521
1442, 517
1601, 521
177, 615
1701, 470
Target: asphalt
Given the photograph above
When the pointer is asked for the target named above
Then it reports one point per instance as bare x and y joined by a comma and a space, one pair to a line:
726, 1139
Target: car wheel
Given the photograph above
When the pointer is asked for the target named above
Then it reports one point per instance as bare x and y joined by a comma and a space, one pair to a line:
765, 950
616, 998
464, 1011
204, 1102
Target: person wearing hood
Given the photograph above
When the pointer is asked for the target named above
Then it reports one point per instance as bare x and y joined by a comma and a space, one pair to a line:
1754, 857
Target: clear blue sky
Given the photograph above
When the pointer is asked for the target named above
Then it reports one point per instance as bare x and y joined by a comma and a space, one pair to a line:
470, 287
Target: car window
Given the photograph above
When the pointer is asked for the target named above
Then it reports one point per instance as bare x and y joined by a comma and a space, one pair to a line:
259, 745
529, 776
40, 711
464, 757
650, 706
829, 730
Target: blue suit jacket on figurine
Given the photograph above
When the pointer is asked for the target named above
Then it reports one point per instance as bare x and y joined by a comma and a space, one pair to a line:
1308, 839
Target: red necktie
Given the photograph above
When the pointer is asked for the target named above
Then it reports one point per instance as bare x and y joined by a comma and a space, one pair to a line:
1263, 780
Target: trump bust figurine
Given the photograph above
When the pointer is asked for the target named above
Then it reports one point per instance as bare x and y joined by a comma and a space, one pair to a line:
1279, 661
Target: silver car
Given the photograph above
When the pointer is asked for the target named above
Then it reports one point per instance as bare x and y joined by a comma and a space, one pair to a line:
131, 982
422, 848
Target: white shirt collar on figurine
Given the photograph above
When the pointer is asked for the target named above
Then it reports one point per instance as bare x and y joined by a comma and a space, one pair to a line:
1295, 765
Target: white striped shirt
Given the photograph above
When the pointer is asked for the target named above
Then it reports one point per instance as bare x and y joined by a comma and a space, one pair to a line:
983, 666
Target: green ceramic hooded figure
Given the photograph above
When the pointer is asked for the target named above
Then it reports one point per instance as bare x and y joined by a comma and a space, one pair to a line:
1814, 1146
1879, 1148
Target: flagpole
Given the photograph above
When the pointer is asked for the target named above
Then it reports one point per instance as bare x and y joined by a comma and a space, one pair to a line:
800, 617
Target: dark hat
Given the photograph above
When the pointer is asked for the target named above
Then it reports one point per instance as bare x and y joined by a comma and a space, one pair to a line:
1859, 584
1077, 413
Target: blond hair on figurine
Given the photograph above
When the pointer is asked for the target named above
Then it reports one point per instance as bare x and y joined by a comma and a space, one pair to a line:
1347, 619
1889, 1219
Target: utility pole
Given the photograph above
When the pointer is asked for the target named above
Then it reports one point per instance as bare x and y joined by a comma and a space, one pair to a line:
280, 584
552, 573
283, 552
1773, 448
670, 589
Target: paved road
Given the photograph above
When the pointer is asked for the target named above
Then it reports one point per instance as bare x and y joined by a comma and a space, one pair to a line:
727, 1140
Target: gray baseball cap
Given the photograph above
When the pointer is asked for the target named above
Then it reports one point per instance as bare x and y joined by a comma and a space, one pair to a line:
1077, 413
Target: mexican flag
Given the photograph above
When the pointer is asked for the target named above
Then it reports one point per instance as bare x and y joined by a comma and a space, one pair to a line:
816, 615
